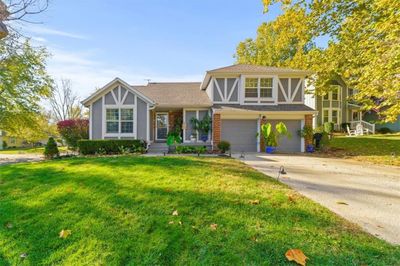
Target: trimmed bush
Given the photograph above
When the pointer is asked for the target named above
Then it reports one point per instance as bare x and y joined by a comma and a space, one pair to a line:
51, 149
224, 146
191, 149
5, 144
384, 130
111, 146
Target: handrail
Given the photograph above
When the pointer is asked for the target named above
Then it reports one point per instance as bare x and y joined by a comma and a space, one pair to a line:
367, 125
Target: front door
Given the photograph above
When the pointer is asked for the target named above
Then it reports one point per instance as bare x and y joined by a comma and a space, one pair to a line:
161, 126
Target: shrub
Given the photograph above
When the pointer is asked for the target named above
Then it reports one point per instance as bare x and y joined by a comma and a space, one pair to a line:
5, 144
110, 146
191, 149
73, 130
384, 130
328, 127
224, 146
51, 149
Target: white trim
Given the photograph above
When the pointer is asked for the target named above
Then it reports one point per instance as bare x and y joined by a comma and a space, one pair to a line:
135, 126
302, 141
113, 95
259, 133
90, 120
293, 95
148, 123
283, 90
218, 89
156, 127
125, 96
232, 90
258, 100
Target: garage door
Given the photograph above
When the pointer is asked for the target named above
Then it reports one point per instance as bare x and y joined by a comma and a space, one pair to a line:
241, 134
292, 144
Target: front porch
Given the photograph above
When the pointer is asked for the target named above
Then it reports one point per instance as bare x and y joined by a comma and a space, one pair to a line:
163, 121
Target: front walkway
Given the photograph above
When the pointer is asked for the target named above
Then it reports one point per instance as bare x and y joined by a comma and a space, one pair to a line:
365, 194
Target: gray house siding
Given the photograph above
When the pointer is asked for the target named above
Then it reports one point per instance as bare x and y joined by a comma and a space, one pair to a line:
97, 119
228, 88
142, 114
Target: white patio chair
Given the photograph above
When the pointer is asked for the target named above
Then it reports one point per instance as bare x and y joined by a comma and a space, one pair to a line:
359, 129
350, 132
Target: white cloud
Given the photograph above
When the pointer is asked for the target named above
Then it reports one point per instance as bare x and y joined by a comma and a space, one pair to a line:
48, 31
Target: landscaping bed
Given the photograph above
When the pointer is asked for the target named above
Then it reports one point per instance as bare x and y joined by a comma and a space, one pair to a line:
137, 210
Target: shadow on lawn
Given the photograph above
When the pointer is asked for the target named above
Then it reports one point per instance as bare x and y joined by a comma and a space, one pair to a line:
117, 223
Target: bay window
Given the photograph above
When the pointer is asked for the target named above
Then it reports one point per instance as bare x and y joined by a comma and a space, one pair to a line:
119, 120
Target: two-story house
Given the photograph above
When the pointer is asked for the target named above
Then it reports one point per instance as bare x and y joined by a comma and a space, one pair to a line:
238, 98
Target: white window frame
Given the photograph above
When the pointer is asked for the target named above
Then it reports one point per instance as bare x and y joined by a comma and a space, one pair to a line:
119, 105
330, 110
259, 100
197, 110
161, 113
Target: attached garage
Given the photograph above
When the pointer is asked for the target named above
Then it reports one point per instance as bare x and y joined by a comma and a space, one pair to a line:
241, 134
292, 144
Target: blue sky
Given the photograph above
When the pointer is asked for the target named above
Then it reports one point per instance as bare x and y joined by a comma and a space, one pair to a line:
92, 42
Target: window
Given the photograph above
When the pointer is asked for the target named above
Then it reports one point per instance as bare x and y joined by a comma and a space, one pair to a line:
112, 118
326, 96
126, 120
266, 88
335, 116
13, 140
251, 88
119, 120
335, 95
258, 88
325, 116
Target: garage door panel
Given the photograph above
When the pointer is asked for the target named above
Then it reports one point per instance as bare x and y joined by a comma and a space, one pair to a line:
292, 144
241, 134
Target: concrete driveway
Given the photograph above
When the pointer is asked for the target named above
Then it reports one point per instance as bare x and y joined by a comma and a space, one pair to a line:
19, 158
372, 193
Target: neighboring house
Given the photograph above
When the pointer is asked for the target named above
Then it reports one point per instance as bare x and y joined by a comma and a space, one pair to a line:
10, 141
239, 98
335, 107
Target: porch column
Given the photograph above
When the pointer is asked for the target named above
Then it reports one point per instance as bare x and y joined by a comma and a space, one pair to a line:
216, 130
263, 121
308, 121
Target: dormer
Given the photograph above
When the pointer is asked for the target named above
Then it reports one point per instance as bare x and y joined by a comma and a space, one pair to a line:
255, 85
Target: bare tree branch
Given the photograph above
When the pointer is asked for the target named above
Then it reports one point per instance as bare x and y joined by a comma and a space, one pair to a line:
64, 103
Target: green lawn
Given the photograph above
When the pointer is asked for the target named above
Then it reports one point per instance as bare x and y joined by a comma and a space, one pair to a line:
119, 211
36, 150
374, 148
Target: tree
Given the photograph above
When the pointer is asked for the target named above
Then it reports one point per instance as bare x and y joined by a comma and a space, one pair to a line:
23, 84
51, 149
19, 10
41, 129
73, 130
64, 103
363, 50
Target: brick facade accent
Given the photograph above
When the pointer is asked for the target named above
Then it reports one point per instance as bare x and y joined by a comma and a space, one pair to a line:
262, 142
216, 130
308, 121
172, 116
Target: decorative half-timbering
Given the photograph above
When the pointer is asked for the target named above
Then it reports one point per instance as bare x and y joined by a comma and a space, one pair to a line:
290, 90
225, 90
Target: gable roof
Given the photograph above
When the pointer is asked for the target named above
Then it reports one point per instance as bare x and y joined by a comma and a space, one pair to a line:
93, 97
247, 68
252, 69
176, 94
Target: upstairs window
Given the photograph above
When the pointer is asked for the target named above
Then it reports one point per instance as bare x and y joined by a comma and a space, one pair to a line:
258, 88
251, 88
119, 120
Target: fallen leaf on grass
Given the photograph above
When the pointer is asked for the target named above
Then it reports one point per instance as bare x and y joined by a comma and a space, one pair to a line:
65, 233
9, 225
342, 203
296, 255
171, 222
180, 222
254, 202
175, 213
23, 255
292, 198
213, 226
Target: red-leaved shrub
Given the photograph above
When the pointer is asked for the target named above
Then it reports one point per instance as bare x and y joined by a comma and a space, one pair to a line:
73, 130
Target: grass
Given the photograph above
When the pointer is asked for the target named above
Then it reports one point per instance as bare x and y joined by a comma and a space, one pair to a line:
35, 150
119, 211
374, 148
